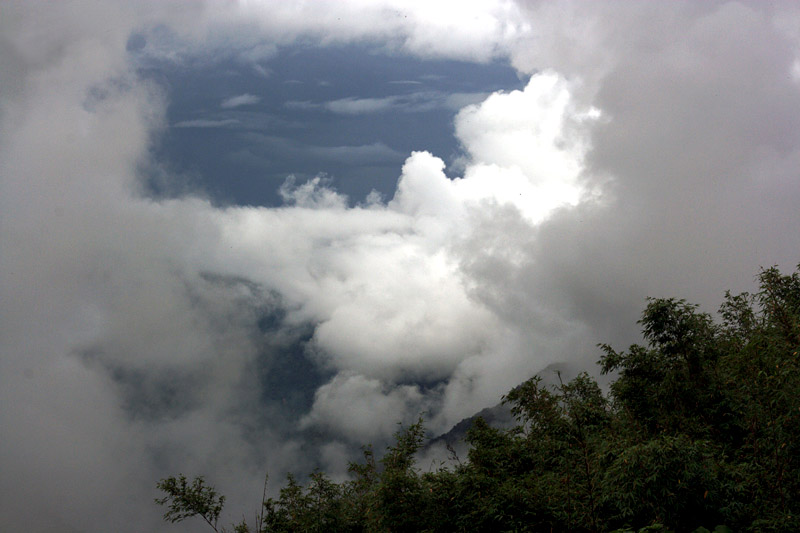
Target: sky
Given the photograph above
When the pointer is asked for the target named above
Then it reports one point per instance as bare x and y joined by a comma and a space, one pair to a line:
247, 237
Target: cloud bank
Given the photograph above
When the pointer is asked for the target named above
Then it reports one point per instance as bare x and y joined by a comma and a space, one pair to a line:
653, 152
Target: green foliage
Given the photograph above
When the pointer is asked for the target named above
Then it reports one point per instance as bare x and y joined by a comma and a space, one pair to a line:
316, 507
190, 499
701, 426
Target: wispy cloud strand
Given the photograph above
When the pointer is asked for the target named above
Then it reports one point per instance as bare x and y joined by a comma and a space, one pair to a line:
240, 100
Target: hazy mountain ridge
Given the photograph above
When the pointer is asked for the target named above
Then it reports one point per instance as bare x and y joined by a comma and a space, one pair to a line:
497, 416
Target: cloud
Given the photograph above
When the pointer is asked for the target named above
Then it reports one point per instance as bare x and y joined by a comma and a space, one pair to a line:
653, 152
240, 100
205, 123
458, 101
304, 105
357, 408
365, 154
475, 30
355, 106
680, 155
410, 103
375, 152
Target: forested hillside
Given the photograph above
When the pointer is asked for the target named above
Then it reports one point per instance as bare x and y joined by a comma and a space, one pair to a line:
700, 429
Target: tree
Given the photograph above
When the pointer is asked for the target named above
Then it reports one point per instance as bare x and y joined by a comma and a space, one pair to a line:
701, 426
190, 499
